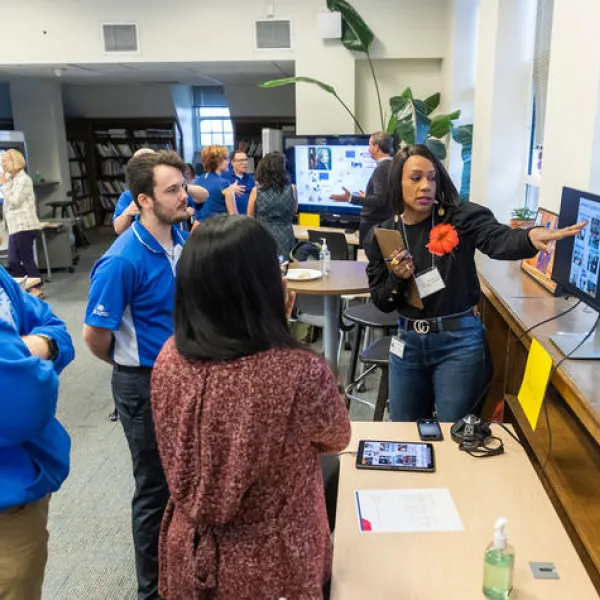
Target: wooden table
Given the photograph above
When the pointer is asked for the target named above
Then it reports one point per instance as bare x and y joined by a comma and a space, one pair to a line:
346, 277
512, 302
301, 233
449, 565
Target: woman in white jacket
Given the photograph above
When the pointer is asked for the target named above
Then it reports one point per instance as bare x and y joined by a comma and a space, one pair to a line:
20, 215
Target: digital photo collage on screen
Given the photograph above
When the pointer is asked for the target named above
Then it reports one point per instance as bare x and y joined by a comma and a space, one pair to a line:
322, 166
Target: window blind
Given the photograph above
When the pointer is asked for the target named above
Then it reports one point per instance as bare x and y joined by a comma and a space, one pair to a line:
541, 65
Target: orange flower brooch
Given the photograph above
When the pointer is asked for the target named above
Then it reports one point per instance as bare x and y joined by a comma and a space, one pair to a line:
442, 239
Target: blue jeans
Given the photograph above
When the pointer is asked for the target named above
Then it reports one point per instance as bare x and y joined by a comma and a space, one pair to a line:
447, 371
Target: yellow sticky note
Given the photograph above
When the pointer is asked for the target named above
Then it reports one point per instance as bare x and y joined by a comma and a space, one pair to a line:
309, 219
537, 371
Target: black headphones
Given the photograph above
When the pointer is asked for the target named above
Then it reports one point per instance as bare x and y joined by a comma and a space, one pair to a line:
474, 437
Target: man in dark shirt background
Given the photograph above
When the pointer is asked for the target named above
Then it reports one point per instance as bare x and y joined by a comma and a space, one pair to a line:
376, 206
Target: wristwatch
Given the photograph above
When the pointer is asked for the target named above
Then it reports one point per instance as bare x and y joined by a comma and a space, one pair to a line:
52, 346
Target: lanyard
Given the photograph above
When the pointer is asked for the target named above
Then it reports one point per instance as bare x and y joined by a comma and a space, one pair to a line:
406, 237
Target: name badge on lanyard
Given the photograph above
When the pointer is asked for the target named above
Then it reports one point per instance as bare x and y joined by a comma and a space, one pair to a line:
429, 282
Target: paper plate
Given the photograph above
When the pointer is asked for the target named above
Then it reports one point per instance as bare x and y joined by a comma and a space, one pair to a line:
303, 274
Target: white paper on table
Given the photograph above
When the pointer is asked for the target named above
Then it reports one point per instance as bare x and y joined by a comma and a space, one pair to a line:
381, 511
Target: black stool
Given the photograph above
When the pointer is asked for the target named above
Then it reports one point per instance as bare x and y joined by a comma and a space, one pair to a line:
377, 355
67, 208
367, 316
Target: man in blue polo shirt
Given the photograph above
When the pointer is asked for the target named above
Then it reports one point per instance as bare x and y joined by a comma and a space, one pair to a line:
127, 321
126, 210
240, 179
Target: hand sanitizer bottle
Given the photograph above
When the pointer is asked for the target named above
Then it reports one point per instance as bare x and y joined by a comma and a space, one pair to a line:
325, 258
498, 565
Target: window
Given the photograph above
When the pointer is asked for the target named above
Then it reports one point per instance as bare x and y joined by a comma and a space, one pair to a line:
541, 66
214, 126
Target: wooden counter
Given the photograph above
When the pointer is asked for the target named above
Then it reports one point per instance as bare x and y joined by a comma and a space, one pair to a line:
511, 303
449, 565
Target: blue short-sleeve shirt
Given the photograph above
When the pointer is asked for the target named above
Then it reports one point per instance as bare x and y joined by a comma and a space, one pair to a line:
215, 203
132, 293
247, 180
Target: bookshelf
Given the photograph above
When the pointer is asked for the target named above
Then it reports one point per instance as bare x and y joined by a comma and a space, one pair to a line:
98, 162
248, 133
78, 153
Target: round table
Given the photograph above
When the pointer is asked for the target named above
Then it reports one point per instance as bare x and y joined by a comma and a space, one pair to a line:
345, 277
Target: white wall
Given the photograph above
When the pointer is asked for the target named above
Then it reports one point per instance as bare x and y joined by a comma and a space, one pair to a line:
423, 76
459, 72
404, 29
248, 100
502, 104
114, 101
572, 135
38, 113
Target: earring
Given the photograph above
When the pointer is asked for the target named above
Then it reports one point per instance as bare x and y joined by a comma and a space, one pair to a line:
441, 211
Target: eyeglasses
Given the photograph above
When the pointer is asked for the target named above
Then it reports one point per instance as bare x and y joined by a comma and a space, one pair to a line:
240, 160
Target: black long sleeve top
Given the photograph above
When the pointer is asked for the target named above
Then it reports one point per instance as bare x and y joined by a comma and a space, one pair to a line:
477, 229
376, 205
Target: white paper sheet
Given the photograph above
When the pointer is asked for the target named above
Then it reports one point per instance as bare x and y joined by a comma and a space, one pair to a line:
381, 511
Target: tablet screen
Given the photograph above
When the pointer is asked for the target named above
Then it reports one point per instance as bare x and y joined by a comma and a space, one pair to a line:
396, 454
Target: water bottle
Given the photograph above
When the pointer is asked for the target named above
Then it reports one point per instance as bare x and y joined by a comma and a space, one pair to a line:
325, 258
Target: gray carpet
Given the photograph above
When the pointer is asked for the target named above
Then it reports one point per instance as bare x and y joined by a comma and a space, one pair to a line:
90, 554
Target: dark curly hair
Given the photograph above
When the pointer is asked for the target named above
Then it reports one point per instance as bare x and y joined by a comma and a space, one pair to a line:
272, 172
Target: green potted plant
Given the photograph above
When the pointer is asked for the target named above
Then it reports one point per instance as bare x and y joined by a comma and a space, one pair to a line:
410, 118
522, 217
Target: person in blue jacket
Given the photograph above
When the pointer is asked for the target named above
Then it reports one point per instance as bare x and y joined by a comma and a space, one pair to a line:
34, 447
126, 210
241, 181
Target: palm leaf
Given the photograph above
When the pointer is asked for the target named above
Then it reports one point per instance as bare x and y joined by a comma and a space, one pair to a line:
290, 80
356, 34
432, 103
437, 148
463, 134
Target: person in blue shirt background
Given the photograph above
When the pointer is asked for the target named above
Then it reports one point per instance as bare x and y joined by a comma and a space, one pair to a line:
128, 319
241, 181
220, 199
126, 210
34, 447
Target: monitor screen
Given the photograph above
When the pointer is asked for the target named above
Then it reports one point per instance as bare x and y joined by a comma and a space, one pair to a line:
576, 258
324, 165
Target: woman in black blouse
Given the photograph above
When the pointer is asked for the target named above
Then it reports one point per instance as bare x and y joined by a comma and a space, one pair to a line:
440, 359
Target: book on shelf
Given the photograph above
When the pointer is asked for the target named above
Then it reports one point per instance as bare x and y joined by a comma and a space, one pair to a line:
76, 150
111, 186
108, 202
80, 187
89, 221
155, 146
112, 167
77, 169
83, 205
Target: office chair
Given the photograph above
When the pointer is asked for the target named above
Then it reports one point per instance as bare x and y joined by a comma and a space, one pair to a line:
336, 242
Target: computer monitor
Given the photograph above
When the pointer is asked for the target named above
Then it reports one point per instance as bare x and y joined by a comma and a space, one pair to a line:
323, 165
576, 266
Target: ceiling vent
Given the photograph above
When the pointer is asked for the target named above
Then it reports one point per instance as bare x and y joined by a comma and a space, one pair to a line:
120, 38
273, 35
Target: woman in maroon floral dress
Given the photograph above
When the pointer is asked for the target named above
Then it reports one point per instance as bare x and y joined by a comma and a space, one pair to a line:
242, 412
